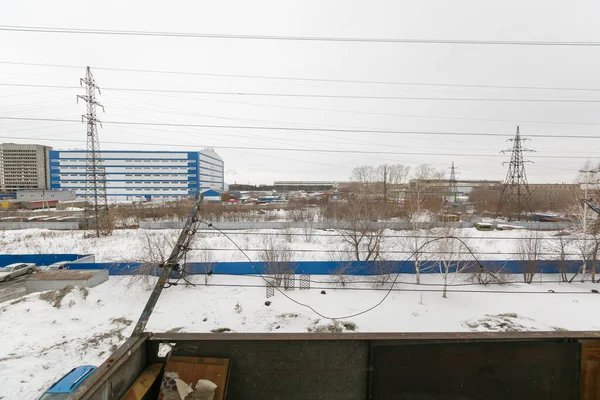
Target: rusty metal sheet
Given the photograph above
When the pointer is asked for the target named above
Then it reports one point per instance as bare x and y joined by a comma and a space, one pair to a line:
590, 370
476, 371
377, 336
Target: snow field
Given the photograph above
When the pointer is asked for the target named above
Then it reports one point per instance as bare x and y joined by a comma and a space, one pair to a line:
41, 342
132, 244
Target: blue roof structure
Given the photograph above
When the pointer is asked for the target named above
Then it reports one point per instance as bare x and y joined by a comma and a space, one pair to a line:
70, 381
209, 193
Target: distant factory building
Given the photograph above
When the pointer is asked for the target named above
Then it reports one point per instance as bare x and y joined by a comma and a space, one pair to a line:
58, 195
443, 185
309, 186
23, 167
136, 173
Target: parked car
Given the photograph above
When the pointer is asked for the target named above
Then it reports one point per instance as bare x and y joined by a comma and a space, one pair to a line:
14, 270
68, 383
56, 266
484, 226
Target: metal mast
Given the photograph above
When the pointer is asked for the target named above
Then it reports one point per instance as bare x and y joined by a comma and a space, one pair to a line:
96, 209
515, 191
452, 183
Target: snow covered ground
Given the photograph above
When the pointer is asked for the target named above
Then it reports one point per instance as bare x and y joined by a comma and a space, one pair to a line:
42, 340
307, 245
44, 335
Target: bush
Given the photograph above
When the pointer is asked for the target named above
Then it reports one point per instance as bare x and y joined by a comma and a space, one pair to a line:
494, 275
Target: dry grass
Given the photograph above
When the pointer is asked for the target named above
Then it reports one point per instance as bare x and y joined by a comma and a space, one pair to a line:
121, 321
55, 297
334, 327
221, 330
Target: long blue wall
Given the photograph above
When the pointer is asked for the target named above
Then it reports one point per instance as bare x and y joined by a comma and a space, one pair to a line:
330, 267
37, 259
300, 267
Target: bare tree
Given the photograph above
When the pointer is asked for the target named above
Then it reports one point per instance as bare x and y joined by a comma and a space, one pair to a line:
412, 244
450, 253
155, 248
420, 199
491, 274
560, 247
425, 191
379, 179
278, 258
342, 274
361, 234
207, 264
365, 174
397, 174
586, 221
530, 248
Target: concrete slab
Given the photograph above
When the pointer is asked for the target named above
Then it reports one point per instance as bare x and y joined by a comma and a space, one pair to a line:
50, 280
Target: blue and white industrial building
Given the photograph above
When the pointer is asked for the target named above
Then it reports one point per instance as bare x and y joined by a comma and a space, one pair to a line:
136, 173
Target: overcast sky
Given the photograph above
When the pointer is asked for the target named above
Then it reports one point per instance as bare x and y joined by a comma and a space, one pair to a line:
475, 157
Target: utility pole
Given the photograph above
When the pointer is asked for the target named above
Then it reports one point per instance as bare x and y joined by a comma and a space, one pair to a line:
97, 219
173, 264
385, 183
515, 185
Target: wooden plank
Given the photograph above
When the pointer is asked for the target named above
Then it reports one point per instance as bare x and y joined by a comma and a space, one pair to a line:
589, 380
143, 383
191, 369
201, 360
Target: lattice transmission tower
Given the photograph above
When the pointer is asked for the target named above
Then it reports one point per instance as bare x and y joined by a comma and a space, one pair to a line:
515, 191
452, 184
97, 219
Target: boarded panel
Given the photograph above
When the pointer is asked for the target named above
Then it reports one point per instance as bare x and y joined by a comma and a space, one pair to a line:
590, 370
289, 370
191, 369
474, 371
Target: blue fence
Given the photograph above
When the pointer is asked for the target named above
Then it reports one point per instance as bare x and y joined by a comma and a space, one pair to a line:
350, 268
300, 267
37, 259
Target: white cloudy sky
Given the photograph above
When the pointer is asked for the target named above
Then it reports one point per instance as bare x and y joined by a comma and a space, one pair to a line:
556, 159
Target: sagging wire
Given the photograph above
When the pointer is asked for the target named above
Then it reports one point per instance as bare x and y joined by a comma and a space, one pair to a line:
358, 281
389, 291
363, 289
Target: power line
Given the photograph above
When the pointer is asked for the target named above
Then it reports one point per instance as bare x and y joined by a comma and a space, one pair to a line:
383, 289
356, 280
387, 236
329, 109
118, 32
297, 150
313, 95
351, 251
306, 79
292, 149
289, 128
